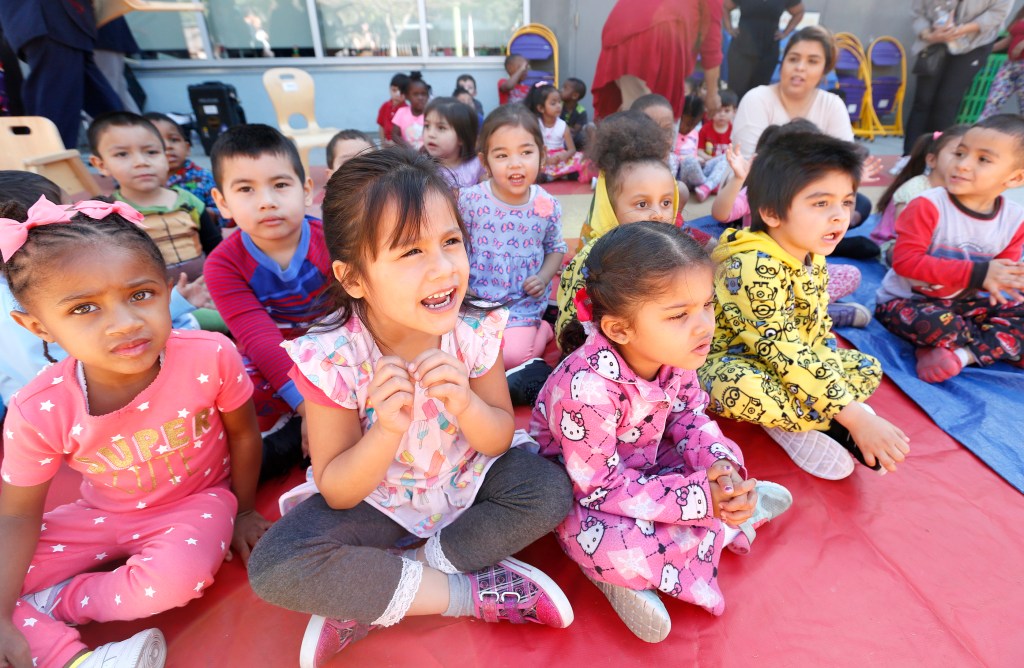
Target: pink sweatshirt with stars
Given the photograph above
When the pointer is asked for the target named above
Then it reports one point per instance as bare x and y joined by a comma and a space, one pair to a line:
166, 444
637, 453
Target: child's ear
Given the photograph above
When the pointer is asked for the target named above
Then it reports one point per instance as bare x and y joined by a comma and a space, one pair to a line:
348, 280
97, 162
222, 204
482, 157
1016, 179
616, 330
307, 187
32, 324
930, 160
770, 218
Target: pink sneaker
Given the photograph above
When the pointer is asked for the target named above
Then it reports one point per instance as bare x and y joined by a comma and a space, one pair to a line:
516, 592
326, 637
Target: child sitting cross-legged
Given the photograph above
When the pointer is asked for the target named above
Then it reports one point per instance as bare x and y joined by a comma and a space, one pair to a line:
410, 431
659, 490
774, 360
955, 244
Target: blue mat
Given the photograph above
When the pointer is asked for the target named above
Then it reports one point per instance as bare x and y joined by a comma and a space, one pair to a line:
981, 408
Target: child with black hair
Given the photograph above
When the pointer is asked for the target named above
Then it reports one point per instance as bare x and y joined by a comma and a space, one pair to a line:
407, 123
701, 176
511, 89
268, 279
954, 244
573, 112
774, 360
130, 149
930, 164
23, 356
158, 422
344, 146
467, 83
561, 157
387, 111
466, 98
715, 134
624, 413
633, 184
410, 429
449, 136
183, 172
732, 204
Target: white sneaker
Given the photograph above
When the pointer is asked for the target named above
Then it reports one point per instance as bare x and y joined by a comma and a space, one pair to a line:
900, 164
772, 500
642, 611
145, 649
45, 600
815, 452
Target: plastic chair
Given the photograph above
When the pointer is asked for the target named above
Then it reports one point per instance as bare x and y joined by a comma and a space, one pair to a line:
33, 144
974, 99
888, 62
291, 91
108, 10
855, 86
539, 46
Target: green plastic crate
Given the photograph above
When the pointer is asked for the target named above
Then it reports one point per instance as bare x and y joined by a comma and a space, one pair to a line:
974, 101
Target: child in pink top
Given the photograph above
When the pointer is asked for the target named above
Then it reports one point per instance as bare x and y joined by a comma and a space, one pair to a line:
407, 123
659, 489
158, 422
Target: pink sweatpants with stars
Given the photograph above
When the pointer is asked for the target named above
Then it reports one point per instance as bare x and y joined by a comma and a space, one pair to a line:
169, 555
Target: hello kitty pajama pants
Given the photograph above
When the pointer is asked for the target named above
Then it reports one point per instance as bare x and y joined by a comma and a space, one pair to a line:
991, 333
677, 559
170, 556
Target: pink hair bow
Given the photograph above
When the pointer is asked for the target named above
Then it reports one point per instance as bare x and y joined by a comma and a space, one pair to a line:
14, 233
98, 210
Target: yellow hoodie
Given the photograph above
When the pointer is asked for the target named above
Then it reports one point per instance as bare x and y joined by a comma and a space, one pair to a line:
774, 359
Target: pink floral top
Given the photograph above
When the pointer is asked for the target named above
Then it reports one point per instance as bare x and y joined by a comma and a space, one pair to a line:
435, 475
632, 447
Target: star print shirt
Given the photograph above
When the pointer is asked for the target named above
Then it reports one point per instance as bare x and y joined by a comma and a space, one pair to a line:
435, 474
632, 447
166, 444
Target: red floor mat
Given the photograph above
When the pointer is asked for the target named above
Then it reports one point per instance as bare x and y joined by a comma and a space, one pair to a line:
917, 568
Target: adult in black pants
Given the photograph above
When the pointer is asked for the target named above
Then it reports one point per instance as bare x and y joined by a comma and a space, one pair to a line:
56, 38
754, 51
968, 29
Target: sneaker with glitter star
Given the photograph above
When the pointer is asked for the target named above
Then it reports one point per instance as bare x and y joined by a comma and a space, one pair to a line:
325, 637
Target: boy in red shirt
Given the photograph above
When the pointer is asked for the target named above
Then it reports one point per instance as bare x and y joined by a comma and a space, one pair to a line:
716, 133
399, 83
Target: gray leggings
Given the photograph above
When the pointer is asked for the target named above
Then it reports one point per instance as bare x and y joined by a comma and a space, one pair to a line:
333, 563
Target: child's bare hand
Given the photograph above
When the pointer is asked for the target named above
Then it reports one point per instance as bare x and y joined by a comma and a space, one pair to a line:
390, 395
879, 441
444, 378
738, 509
249, 528
740, 165
534, 286
195, 292
14, 649
1004, 276
871, 169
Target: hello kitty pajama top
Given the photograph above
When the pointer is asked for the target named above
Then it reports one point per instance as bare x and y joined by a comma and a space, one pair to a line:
435, 474
636, 452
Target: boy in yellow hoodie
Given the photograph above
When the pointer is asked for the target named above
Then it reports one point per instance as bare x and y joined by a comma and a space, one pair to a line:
774, 360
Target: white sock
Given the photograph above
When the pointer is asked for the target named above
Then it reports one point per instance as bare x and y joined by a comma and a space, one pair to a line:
965, 356
730, 534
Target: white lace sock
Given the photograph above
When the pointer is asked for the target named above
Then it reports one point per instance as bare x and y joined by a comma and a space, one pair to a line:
405, 592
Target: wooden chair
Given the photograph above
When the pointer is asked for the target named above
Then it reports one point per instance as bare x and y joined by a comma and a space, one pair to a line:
291, 91
108, 10
33, 144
